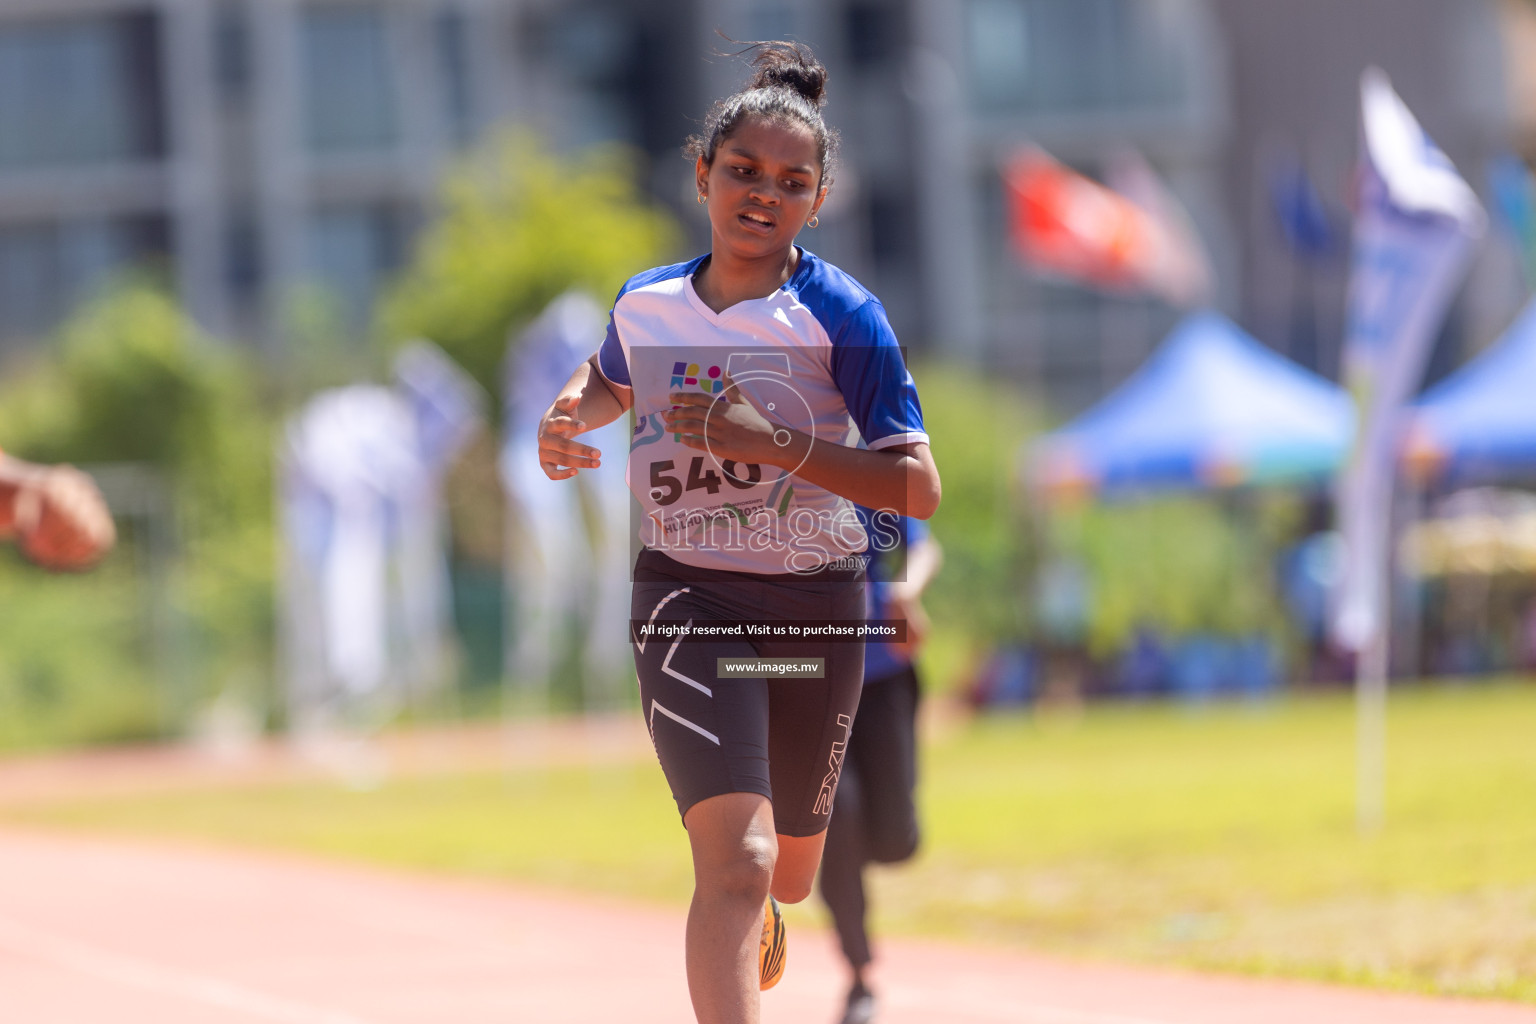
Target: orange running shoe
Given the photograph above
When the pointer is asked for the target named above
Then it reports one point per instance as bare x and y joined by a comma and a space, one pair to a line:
772, 947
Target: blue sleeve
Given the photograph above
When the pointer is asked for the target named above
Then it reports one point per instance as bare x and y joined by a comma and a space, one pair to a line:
610, 357
873, 377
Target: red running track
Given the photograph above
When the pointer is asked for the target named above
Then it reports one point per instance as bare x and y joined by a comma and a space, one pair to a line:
98, 931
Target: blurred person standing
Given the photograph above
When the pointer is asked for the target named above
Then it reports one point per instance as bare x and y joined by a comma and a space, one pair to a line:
55, 514
874, 819
565, 565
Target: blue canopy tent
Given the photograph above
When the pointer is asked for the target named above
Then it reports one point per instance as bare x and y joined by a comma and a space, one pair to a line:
1212, 407
1479, 424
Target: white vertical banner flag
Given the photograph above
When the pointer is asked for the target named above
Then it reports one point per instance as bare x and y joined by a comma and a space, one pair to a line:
1414, 231
1415, 228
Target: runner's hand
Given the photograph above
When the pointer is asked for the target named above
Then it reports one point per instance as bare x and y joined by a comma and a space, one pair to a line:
61, 521
559, 456
728, 426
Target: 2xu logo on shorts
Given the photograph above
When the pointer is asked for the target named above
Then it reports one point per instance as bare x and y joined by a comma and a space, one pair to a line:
834, 768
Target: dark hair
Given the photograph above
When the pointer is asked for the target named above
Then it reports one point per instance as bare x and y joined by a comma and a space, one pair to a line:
790, 85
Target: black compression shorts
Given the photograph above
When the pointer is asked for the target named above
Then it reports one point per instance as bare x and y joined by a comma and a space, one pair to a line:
781, 737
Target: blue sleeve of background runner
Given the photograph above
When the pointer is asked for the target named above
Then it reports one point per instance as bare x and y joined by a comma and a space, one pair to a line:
871, 374
610, 358
916, 530
883, 659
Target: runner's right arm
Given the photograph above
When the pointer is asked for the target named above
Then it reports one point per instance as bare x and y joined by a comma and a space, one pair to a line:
586, 402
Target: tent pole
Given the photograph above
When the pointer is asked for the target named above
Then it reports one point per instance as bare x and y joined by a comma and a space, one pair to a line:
1410, 641
1372, 666
1371, 734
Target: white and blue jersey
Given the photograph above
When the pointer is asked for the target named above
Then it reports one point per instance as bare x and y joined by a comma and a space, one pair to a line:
818, 356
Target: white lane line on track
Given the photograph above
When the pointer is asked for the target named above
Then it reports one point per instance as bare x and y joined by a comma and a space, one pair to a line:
980, 1009
109, 965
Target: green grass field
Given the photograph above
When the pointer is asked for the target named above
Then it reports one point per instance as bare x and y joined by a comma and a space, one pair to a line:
1220, 836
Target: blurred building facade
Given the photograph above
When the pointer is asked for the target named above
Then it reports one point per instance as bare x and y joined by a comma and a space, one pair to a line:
932, 96
1296, 98
251, 146
1220, 96
248, 148
234, 145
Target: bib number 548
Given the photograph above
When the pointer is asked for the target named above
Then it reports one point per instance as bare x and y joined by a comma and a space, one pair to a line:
666, 489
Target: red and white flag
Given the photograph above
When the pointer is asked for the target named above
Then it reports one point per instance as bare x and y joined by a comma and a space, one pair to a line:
1064, 224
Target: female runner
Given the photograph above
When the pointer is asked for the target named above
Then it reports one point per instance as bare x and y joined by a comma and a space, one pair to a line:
745, 367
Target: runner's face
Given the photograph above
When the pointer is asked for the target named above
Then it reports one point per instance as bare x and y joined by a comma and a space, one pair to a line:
762, 188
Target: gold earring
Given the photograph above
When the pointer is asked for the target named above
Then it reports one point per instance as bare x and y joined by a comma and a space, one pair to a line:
814, 221
702, 199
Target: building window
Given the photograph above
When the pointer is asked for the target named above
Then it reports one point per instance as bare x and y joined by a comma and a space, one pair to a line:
242, 256
997, 34
232, 51
47, 268
771, 19
349, 85
81, 91
352, 250
872, 32
594, 46
29, 281
892, 233
452, 30
1084, 56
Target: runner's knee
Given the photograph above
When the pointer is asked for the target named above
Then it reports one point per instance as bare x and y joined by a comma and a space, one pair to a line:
743, 873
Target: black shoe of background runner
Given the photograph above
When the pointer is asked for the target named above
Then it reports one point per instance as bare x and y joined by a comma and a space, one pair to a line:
861, 1006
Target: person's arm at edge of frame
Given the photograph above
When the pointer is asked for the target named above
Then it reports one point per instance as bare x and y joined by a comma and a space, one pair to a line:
55, 514
587, 401
13, 474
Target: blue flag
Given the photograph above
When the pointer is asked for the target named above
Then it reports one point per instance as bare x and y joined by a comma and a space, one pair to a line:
1303, 217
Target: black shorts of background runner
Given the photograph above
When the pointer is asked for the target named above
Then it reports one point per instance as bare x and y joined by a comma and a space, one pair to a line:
781, 737
876, 813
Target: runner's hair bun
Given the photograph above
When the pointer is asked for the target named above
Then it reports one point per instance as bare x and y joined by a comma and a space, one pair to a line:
789, 66
789, 84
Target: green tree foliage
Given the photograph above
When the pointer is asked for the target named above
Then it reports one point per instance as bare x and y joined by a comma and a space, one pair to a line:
130, 380
518, 227
75, 664
1177, 565
978, 426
